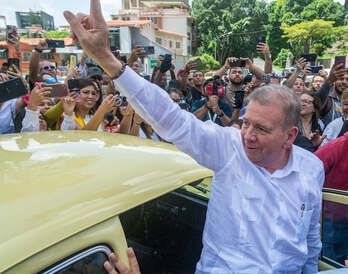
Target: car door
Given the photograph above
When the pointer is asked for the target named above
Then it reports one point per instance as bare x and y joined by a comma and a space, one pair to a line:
334, 229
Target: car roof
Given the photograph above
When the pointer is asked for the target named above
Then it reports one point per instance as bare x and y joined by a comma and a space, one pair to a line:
55, 184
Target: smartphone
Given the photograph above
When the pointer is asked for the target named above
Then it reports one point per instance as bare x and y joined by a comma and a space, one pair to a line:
261, 39
73, 84
316, 69
55, 43
238, 98
238, 63
149, 50
340, 60
58, 90
309, 57
13, 61
198, 64
12, 89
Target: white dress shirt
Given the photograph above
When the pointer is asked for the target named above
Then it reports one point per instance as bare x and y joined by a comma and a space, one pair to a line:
31, 122
332, 130
256, 222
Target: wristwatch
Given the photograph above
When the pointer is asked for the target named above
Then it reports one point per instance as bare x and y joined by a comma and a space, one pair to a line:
121, 71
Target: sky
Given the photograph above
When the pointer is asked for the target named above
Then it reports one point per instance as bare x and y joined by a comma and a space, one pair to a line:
56, 8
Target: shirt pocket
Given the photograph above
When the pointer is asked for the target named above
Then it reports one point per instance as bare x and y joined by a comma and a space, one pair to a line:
304, 222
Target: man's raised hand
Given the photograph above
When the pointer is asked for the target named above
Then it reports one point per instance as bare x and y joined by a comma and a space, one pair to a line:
92, 33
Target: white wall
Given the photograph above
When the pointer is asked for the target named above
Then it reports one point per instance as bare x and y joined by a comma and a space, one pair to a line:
175, 24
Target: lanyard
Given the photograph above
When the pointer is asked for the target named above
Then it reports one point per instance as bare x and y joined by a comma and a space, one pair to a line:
214, 116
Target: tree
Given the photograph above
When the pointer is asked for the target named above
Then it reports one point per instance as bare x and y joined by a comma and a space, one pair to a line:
282, 58
57, 34
243, 19
313, 36
291, 12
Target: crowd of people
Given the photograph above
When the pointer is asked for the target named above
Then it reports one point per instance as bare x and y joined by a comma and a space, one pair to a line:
223, 99
268, 114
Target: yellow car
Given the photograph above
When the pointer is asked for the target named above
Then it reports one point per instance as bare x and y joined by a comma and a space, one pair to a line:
209, 74
69, 198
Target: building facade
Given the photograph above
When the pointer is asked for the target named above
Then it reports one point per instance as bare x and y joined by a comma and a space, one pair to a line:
27, 19
170, 20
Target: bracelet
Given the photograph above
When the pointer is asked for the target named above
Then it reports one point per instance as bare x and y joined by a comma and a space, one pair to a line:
121, 71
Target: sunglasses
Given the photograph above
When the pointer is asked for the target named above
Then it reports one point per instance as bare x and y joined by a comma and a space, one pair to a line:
49, 67
306, 101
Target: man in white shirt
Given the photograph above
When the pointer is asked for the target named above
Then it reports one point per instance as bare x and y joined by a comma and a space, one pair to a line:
265, 203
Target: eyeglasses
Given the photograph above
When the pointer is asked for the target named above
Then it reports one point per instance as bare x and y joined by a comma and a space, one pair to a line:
190, 79
49, 68
304, 101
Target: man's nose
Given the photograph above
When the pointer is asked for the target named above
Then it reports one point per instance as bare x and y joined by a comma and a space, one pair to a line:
250, 135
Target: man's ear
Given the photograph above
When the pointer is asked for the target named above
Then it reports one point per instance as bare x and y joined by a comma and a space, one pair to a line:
291, 136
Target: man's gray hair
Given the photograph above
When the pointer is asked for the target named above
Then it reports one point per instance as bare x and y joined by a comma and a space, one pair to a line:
279, 95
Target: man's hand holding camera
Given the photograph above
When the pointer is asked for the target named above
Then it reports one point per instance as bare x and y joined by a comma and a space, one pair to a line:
213, 104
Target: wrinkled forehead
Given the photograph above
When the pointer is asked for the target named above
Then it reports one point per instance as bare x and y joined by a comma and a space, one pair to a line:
198, 73
270, 115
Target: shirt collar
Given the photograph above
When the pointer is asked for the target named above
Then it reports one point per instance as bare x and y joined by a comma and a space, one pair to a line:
291, 166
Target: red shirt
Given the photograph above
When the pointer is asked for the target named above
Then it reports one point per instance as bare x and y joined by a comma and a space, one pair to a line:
335, 158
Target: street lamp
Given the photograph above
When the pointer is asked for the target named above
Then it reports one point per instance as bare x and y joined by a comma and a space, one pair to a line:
219, 38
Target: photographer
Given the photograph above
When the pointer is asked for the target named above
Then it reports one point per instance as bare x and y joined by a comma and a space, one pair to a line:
211, 107
236, 76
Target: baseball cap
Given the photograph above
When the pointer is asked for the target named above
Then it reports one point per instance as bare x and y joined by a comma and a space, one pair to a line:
95, 72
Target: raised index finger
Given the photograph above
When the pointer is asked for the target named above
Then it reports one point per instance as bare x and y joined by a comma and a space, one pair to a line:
97, 14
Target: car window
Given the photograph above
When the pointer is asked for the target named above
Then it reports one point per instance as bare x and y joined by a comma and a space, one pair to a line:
90, 261
201, 188
335, 227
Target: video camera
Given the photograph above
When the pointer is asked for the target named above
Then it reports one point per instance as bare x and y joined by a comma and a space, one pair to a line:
216, 89
121, 101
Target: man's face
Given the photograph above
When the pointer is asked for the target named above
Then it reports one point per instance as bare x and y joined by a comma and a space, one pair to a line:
298, 86
345, 108
136, 67
317, 82
263, 137
345, 80
198, 78
4, 68
190, 79
45, 67
339, 86
236, 75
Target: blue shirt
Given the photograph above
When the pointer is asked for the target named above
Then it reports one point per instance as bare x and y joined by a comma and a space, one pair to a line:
211, 115
256, 222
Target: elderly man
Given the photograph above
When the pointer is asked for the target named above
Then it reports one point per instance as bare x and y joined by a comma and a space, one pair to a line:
264, 208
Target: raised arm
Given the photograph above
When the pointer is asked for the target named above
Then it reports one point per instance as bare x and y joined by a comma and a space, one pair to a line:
35, 60
301, 63
263, 48
201, 140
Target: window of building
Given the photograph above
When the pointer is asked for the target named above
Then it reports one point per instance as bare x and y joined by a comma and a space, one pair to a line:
47, 56
3, 53
159, 40
178, 45
170, 43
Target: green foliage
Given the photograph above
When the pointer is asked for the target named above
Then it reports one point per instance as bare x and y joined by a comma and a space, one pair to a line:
282, 57
291, 12
243, 19
57, 34
312, 36
208, 61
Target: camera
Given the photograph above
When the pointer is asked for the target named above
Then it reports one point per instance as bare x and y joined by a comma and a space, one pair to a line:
238, 63
261, 39
121, 101
215, 89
